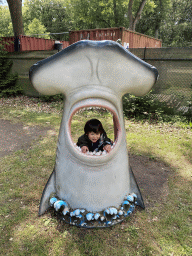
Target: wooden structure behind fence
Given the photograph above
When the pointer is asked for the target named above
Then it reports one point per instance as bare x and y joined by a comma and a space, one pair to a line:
133, 39
27, 43
129, 39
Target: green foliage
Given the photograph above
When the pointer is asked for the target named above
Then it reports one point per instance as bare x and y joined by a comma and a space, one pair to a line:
6, 28
188, 113
52, 14
170, 20
146, 108
98, 14
53, 98
8, 85
36, 27
152, 18
176, 30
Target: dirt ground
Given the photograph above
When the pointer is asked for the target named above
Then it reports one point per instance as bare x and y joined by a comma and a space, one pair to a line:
15, 136
151, 176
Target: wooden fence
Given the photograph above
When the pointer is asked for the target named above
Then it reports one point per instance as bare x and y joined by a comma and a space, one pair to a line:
27, 43
129, 39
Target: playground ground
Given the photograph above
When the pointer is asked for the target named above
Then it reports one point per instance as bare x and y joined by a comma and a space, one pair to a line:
151, 175
160, 156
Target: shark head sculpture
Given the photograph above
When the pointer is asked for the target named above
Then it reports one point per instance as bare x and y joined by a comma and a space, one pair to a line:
91, 189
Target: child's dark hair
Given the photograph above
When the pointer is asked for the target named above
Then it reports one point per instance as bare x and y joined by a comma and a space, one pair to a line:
94, 125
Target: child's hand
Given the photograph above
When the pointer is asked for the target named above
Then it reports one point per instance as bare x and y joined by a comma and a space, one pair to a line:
107, 148
84, 149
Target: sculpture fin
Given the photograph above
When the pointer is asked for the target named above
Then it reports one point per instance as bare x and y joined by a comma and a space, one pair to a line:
134, 188
48, 190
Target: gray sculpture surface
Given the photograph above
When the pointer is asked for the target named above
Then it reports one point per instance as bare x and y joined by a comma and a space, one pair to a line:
87, 188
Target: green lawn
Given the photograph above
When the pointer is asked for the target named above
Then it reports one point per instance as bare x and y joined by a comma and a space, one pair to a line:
163, 229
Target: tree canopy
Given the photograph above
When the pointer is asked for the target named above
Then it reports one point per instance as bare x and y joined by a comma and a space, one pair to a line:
52, 14
6, 28
170, 20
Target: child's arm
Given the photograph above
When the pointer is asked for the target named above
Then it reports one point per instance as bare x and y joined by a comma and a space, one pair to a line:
107, 144
82, 143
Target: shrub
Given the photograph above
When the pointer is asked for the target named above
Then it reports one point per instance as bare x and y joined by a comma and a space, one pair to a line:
8, 81
53, 98
146, 108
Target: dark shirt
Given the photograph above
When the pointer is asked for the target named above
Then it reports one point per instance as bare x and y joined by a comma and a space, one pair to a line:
97, 146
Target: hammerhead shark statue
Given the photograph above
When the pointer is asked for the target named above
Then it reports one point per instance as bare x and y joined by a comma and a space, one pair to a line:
92, 74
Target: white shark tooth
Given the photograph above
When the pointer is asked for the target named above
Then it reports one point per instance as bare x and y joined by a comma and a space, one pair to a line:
130, 198
72, 214
77, 212
112, 211
53, 200
104, 152
120, 212
97, 215
134, 195
79, 216
59, 205
90, 216
65, 211
106, 211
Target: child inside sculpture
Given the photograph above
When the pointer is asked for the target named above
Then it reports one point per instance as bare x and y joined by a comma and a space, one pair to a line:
95, 138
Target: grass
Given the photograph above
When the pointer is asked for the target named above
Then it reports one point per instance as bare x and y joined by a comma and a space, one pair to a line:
163, 229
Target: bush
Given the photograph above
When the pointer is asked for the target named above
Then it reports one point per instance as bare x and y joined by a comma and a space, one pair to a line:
8, 81
146, 108
188, 113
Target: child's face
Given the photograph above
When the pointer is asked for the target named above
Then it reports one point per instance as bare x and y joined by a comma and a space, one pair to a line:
94, 136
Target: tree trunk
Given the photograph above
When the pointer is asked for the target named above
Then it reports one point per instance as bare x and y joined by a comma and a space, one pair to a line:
133, 21
130, 15
156, 33
15, 8
115, 13
138, 15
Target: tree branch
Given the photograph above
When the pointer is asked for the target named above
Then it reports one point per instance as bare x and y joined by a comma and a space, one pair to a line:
138, 15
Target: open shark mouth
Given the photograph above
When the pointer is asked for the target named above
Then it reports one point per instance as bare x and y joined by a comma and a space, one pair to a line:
96, 103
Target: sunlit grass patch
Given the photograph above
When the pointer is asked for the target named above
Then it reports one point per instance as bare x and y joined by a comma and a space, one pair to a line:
163, 142
31, 117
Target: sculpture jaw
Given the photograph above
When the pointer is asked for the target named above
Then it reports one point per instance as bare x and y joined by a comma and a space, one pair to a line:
118, 124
